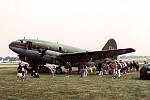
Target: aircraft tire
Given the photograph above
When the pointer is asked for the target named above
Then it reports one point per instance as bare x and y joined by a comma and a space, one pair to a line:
58, 70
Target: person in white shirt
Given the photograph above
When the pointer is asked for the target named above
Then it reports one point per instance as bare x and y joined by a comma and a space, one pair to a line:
23, 73
53, 70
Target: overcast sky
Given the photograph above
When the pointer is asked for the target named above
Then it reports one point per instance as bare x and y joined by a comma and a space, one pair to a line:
86, 24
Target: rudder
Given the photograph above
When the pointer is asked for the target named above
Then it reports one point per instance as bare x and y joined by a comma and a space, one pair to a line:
111, 45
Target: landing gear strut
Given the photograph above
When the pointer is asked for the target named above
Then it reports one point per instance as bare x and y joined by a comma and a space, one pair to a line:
34, 71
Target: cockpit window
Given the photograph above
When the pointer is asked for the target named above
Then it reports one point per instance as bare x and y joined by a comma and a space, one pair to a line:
21, 44
22, 41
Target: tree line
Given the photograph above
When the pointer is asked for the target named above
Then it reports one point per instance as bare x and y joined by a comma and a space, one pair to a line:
8, 58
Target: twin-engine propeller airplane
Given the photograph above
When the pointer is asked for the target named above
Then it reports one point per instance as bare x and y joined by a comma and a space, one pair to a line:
38, 53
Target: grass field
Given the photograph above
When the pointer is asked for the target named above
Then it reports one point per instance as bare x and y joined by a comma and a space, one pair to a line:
60, 87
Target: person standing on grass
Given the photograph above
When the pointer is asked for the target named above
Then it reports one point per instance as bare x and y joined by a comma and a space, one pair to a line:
128, 66
99, 68
137, 66
33, 73
134, 66
53, 70
26, 68
67, 69
131, 66
23, 73
85, 71
19, 72
82, 70
121, 68
113, 69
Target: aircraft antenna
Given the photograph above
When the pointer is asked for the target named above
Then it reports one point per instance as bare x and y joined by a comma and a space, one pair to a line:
37, 38
58, 42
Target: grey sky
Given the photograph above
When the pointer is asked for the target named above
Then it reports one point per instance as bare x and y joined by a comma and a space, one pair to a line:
83, 23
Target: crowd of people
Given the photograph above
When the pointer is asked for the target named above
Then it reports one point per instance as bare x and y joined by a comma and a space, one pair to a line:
114, 68
117, 68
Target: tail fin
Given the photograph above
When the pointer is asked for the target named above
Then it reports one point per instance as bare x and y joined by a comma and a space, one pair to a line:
111, 45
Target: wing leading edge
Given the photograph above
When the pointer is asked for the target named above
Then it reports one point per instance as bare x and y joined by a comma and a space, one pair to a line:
95, 55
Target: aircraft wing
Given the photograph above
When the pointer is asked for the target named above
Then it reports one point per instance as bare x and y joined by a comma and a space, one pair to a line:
94, 55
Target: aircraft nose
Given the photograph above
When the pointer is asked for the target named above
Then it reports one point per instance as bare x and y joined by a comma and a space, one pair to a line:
11, 45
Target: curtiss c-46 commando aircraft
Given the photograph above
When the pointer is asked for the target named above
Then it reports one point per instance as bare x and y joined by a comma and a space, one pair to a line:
38, 53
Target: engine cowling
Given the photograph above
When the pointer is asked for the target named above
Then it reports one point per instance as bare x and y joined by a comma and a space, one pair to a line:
52, 57
52, 53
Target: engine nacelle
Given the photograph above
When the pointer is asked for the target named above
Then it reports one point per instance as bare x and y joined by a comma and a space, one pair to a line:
51, 59
47, 56
52, 53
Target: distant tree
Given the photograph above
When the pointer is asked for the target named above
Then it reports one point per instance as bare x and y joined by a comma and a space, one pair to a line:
1, 58
10, 58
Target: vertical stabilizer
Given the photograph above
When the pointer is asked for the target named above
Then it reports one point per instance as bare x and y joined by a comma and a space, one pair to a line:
111, 45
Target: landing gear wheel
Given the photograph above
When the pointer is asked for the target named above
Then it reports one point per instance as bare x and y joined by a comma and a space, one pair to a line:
58, 70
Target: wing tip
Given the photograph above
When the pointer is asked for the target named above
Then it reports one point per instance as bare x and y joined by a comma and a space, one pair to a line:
131, 50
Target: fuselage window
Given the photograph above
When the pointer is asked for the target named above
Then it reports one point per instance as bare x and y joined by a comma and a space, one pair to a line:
21, 41
60, 48
29, 45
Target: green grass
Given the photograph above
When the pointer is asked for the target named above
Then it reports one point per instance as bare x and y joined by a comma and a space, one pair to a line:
60, 87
